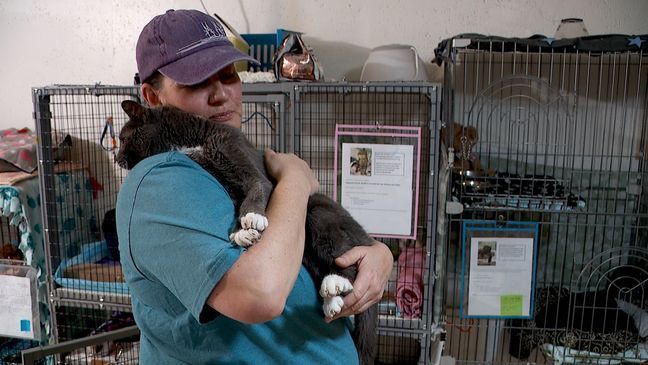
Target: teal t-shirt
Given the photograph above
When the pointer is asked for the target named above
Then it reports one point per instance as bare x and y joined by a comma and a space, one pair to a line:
173, 222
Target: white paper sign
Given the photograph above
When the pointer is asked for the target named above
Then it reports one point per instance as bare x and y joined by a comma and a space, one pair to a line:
17, 307
377, 186
501, 276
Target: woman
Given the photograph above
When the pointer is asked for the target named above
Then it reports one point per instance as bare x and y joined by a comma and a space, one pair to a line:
196, 297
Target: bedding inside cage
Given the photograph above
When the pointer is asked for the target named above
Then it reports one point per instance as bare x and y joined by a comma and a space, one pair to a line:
93, 270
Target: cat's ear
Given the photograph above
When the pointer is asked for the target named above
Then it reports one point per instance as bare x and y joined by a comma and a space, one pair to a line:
134, 109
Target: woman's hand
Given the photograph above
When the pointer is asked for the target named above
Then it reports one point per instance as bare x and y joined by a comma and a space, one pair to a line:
375, 264
288, 166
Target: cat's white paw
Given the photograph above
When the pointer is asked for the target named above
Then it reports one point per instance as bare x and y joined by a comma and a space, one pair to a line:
252, 224
245, 237
332, 306
254, 221
334, 285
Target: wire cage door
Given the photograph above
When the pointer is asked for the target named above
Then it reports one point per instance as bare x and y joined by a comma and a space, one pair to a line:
324, 113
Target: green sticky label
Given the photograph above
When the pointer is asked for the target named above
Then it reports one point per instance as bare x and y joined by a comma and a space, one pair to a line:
511, 305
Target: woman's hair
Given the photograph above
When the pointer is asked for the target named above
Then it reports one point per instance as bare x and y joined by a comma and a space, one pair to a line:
155, 80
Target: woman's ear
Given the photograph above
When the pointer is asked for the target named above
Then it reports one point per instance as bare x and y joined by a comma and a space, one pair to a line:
150, 94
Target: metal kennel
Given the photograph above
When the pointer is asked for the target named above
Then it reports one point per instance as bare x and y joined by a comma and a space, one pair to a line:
78, 126
287, 117
549, 135
381, 111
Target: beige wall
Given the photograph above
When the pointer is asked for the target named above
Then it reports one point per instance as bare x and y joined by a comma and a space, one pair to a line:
90, 41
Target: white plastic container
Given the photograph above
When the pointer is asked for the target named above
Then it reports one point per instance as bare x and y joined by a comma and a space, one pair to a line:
394, 62
571, 28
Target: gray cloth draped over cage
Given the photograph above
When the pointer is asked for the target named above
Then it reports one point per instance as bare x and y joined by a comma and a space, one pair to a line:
538, 42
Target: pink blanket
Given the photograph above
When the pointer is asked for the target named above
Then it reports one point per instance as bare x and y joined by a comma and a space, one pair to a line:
409, 286
17, 150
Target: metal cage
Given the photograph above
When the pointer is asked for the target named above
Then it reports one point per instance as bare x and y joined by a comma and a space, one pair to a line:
552, 134
405, 326
80, 180
78, 126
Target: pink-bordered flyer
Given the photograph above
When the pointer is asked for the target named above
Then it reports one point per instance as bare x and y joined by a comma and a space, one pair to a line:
378, 177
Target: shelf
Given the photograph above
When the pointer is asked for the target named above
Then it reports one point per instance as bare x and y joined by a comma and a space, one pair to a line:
394, 323
86, 298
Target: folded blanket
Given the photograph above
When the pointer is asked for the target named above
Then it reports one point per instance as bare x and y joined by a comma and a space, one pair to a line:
565, 355
409, 285
110, 272
14, 177
18, 149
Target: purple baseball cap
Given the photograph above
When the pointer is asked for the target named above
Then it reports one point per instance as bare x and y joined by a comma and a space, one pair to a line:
188, 46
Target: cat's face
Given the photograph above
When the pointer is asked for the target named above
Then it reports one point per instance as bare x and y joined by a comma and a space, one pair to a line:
137, 135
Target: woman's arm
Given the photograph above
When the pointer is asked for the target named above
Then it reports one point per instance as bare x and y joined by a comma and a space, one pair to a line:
256, 287
375, 264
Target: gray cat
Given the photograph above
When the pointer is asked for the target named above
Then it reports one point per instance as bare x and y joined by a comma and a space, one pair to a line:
226, 153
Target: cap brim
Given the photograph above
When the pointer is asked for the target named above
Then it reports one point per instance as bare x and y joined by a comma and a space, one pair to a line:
199, 66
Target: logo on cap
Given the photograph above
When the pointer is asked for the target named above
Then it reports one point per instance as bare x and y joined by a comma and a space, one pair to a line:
212, 34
